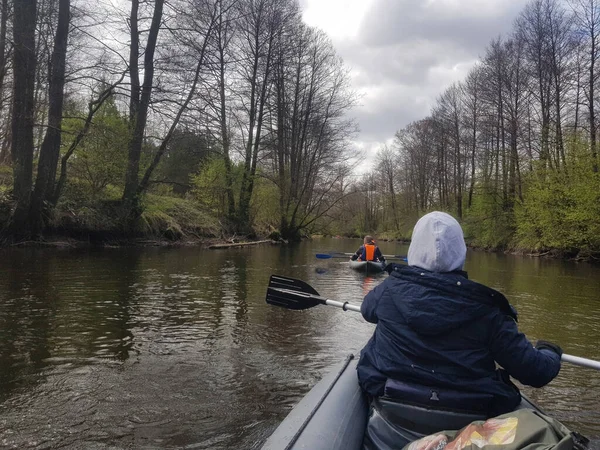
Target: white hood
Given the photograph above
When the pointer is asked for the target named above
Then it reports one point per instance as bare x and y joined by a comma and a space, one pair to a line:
437, 243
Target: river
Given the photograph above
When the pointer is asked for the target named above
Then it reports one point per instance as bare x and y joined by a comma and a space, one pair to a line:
176, 348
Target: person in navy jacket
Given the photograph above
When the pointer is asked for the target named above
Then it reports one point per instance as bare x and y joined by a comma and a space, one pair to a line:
438, 329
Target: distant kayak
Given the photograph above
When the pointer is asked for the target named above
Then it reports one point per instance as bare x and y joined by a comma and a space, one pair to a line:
367, 266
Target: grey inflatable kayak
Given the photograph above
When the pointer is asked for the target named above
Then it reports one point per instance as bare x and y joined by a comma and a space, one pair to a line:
367, 266
333, 416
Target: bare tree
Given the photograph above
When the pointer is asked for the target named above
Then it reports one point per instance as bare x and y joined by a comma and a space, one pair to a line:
202, 39
224, 58
4, 67
309, 129
587, 17
472, 109
387, 166
449, 113
50, 149
259, 23
140, 97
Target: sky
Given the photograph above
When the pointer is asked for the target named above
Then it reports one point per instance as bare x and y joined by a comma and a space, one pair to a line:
403, 53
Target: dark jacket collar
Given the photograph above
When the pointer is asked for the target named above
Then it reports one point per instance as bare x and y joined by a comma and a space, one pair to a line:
471, 289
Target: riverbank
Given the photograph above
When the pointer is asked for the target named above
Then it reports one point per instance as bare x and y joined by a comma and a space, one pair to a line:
66, 242
168, 221
165, 221
549, 253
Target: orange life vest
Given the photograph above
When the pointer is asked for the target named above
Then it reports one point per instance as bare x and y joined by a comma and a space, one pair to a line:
370, 252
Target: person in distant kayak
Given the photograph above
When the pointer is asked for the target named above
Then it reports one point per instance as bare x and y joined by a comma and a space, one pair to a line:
440, 333
368, 251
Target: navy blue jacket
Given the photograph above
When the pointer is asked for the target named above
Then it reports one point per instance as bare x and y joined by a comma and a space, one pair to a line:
443, 330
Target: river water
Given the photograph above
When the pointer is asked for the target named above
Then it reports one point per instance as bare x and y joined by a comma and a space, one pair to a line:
176, 348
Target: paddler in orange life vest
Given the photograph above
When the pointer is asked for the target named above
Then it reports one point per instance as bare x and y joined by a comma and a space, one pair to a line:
368, 251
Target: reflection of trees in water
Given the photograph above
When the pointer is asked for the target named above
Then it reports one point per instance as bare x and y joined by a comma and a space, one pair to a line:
116, 324
61, 304
95, 317
27, 310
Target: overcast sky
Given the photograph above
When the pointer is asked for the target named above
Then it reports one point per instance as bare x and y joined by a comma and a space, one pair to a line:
404, 53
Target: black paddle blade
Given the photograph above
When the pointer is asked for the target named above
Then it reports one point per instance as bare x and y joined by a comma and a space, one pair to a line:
292, 284
291, 293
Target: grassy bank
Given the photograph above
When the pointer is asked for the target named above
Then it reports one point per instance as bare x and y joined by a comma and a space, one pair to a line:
165, 220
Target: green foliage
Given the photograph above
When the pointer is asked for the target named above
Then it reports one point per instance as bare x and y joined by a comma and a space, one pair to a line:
6, 176
175, 218
6, 202
101, 158
182, 159
394, 235
489, 223
210, 190
210, 187
163, 216
264, 208
561, 208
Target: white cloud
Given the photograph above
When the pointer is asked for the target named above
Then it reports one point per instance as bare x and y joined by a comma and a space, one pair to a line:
340, 19
404, 53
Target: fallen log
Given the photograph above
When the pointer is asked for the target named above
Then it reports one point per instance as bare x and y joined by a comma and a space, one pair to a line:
242, 244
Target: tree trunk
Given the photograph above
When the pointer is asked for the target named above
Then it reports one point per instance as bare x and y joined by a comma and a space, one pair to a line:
50, 150
257, 105
225, 141
591, 95
24, 22
140, 116
3, 61
134, 54
5, 145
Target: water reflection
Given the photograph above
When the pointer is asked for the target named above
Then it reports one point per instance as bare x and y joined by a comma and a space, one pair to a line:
170, 348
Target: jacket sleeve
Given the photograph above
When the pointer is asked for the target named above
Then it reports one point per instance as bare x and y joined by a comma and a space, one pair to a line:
368, 308
356, 254
513, 351
379, 255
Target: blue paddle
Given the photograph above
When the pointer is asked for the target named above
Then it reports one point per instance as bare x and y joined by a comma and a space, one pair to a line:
346, 255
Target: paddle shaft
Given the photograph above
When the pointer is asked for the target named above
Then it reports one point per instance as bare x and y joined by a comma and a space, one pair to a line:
583, 362
344, 305
306, 296
291, 293
346, 255
385, 256
576, 360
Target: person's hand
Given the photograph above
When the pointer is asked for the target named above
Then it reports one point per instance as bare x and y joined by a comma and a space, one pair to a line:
545, 345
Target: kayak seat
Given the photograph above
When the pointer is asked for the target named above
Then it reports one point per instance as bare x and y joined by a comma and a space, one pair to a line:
438, 398
408, 412
392, 424
422, 419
